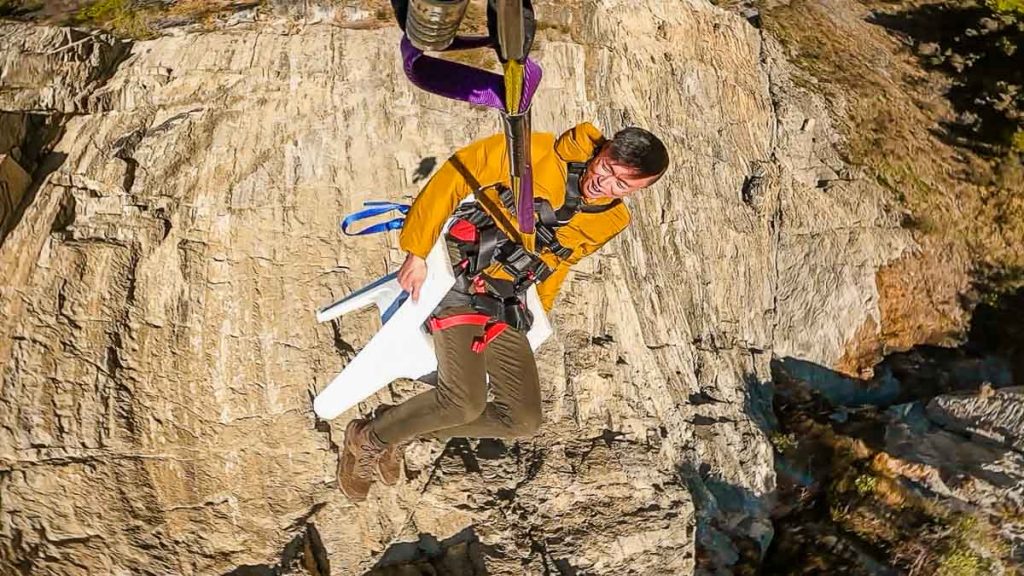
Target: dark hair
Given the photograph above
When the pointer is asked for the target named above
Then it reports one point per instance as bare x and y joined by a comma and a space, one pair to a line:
639, 149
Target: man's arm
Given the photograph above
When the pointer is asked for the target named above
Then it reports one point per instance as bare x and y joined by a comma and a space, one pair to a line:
476, 165
548, 289
615, 223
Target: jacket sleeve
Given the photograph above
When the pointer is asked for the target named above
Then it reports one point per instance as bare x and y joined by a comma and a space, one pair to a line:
580, 142
475, 166
548, 289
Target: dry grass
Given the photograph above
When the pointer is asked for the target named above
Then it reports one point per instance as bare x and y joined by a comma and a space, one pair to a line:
891, 113
965, 210
118, 16
126, 19
878, 503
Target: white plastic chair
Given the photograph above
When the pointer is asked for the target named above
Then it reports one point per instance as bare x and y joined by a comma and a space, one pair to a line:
402, 348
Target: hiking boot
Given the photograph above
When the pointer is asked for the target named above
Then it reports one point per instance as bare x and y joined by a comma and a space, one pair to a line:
390, 464
359, 455
392, 461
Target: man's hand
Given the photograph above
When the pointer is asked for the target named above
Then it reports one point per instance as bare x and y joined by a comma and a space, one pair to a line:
412, 274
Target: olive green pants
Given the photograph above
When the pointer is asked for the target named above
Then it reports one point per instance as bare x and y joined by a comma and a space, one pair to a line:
458, 406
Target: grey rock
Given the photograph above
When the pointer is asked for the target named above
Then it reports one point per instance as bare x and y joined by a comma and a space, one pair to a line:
45, 69
997, 415
962, 469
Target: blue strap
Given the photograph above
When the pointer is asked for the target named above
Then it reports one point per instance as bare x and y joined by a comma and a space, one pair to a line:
375, 209
387, 314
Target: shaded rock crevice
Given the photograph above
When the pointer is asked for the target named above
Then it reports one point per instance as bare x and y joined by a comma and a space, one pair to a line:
924, 475
304, 554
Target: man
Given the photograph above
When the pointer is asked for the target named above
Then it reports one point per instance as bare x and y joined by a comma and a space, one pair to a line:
579, 181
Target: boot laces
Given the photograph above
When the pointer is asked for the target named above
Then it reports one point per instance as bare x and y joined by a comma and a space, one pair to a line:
367, 459
394, 450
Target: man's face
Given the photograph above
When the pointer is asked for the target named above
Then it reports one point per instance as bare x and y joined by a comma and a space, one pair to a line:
608, 178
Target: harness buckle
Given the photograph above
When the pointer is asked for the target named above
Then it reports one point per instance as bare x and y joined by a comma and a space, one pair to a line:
490, 333
479, 287
492, 328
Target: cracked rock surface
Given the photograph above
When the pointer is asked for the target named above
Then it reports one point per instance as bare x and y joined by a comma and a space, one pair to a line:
159, 352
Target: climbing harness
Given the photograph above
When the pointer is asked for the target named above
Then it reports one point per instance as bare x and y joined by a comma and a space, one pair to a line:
481, 244
498, 303
492, 327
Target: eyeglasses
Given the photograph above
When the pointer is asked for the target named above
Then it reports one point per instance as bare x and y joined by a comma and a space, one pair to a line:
603, 168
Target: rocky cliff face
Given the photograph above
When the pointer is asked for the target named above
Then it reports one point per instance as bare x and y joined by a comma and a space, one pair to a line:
159, 351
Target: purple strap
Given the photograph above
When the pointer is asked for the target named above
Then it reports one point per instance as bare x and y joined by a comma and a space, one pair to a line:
466, 83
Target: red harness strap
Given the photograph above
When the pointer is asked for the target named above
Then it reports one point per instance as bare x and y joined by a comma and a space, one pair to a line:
463, 231
492, 330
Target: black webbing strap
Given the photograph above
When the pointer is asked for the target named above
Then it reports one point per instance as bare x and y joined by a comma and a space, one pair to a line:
486, 247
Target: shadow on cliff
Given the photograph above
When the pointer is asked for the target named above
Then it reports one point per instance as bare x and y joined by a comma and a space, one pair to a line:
304, 554
855, 454
461, 555
733, 530
888, 413
813, 415
47, 166
849, 453
992, 354
733, 527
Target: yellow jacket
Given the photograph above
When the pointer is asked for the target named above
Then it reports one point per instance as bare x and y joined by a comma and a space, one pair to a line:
479, 167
